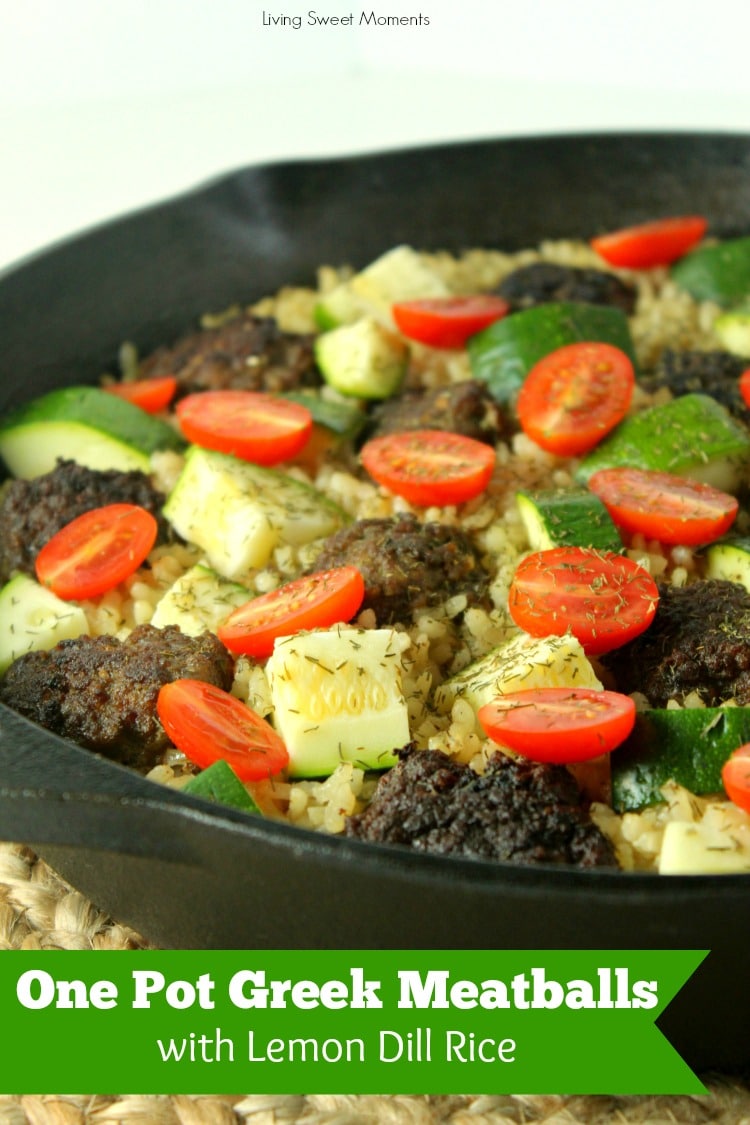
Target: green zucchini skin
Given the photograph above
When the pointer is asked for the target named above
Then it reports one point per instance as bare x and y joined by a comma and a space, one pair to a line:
344, 418
502, 355
692, 436
567, 517
86, 424
93, 407
718, 273
688, 746
219, 783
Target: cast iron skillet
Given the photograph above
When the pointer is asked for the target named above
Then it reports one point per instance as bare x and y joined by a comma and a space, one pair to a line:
189, 875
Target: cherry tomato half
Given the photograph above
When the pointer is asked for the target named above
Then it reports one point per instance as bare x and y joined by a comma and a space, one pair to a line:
745, 386
448, 322
96, 551
574, 396
152, 395
603, 599
430, 467
559, 724
252, 425
663, 506
735, 776
314, 601
651, 244
207, 724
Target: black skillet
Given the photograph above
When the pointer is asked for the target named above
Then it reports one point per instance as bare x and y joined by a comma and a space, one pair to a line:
188, 875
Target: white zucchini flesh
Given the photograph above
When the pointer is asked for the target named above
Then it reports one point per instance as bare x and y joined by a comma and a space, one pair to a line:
33, 619
337, 697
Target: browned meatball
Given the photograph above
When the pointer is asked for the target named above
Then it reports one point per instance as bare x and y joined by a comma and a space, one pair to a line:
407, 565
464, 408
713, 373
517, 812
101, 692
32, 511
699, 640
543, 282
245, 353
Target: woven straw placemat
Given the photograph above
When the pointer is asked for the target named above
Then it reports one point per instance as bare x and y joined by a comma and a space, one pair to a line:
39, 911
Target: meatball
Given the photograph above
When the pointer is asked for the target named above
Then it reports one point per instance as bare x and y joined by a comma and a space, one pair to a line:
714, 373
407, 565
101, 692
245, 353
699, 640
542, 282
464, 408
32, 511
517, 811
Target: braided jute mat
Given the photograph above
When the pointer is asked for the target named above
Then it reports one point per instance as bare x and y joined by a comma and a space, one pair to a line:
39, 911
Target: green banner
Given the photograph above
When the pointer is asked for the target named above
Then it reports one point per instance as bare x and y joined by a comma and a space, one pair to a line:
343, 1022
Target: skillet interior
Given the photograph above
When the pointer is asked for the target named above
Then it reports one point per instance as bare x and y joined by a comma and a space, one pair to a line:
187, 875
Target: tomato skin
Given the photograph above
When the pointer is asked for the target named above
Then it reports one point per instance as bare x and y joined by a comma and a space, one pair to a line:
745, 387
252, 425
430, 467
314, 601
96, 551
646, 245
559, 724
574, 396
152, 395
603, 599
735, 776
207, 723
448, 322
662, 506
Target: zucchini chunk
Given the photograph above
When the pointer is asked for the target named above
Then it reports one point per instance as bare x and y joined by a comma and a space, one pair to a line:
688, 745
398, 275
719, 273
691, 436
238, 512
364, 359
34, 619
219, 783
567, 517
700, 849
730, 559
337, 697
733, 331
199, 601
82, 424
520, 663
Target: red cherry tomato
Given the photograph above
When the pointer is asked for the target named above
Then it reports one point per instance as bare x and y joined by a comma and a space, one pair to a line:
96, 551
152, 395
735, 776
665, 507
559, 724
574, 396
252, 425
314, 601
603, 599
745, 387
651, 244
207, 724
430, 467
448, 322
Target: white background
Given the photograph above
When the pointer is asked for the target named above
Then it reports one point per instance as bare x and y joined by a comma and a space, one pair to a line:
106, 105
